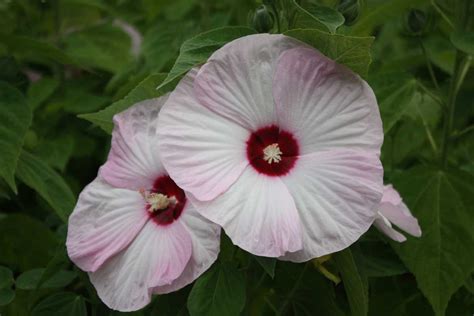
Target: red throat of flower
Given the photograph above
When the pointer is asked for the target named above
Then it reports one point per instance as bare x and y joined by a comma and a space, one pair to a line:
165, 201
272, 151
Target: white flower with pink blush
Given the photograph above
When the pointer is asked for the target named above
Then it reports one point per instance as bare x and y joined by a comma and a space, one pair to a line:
277, 144
133, 229
392, 210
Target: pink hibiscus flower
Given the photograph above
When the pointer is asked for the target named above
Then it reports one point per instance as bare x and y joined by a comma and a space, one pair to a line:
277, 144
133, 229
393, 210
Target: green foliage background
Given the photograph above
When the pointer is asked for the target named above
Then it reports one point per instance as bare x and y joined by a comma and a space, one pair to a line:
67, 66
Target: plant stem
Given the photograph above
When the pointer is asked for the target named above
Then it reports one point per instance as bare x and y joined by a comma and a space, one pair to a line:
428, 64
461, 66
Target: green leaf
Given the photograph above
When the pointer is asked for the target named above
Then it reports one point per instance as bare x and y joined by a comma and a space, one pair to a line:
48, 183
441, 259
6, 296
104, 47
25, 242
30, 279
145, 90
220, 291
6, 277
353, 52
41, 90
380, 13
315, 16
464, 41
197, 50
376, 259
353, 282
300, 288
56, 152
268, 264
61, 304
34, 50
395, 92
15, 118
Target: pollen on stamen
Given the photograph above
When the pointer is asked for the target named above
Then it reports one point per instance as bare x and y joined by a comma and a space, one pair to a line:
157, 201
272, 153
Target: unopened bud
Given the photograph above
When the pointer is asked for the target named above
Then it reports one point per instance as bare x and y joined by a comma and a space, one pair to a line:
350, 9
416, 22
262, 20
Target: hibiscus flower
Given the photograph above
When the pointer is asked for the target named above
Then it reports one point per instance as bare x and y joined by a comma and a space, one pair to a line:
133, 229
393, 210
279, 145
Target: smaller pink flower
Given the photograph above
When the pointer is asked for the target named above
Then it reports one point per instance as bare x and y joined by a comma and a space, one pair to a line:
392, 210
133, 229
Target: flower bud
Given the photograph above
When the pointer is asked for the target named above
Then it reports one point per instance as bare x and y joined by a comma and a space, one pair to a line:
416, 22
350, 9
262, 20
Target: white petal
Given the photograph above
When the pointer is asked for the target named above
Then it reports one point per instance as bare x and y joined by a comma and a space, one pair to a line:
325, 104
104, 222
257, 213
205, 237
203, 152
133, 161
393, 208
337, 194
382, 224
156, 257
236, 82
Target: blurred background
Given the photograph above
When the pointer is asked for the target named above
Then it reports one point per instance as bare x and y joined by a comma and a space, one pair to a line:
65, 58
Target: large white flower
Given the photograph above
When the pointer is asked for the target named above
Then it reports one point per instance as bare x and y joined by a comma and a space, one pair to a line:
279, 145
133, 229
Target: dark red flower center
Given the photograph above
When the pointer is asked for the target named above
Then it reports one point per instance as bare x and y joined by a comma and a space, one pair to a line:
272, 151
165, 201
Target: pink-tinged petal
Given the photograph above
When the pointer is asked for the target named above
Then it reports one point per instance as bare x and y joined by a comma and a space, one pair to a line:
236, 82
337, 193
134, 162
325, 105
156, 257
203, 152
105, 221
393, 208
257, 213
383, 224
205, 237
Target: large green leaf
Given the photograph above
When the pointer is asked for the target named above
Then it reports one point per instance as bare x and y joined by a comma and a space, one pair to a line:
315, 16
32, 49
6, 296
61, 304
48, 183
220, 291
145, 90
104, 47
197, 50
463, 41
353, 282
379, 14
41, 90
6, 277
268, 264
354, 52
15, 118
442, 258
25, 242
29, 280
395, 92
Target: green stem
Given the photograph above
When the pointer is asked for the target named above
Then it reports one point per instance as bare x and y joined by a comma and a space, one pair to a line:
461, 66
441, 12
277, 17
428, 64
